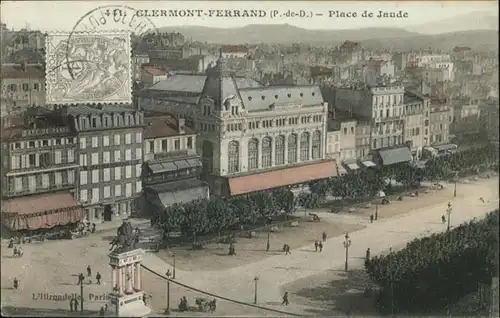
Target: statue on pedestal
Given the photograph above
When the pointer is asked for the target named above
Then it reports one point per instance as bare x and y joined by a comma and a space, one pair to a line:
125, 239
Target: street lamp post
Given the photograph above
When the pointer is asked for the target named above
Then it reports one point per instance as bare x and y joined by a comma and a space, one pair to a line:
392, 282
81, 296
448, 212
347, 244
455, 189
255, 279
269, 221
168, 274
173, 269
376, 211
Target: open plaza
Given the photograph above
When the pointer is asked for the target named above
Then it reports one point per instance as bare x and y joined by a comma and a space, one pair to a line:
316, 281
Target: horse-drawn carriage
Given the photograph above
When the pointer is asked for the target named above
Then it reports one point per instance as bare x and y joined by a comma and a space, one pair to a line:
205, 304
314, 217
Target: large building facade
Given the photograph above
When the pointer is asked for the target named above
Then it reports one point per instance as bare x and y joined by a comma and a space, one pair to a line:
382, 104
417, 122
39, 171
109, 142
171, 165
254, 138
23, 86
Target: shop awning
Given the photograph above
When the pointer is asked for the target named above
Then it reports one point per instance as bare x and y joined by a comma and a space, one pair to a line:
368, 163
183, 196
395, 155
41, 211
352, 166
282, 177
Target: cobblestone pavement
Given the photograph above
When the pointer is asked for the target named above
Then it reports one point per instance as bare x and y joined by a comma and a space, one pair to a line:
51, 267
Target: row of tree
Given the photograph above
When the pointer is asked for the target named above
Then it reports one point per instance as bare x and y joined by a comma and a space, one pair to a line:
215, 214
434, 272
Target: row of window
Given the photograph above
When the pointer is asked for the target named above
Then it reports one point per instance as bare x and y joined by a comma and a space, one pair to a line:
45, 159
269, 123
96, 158
104, 141
277, 96
387, 142
164, 143
24, 87
94, 195
265, 151
97, 176
207, 127
387, 99
388, 113
108, 120
34, 183
42, 143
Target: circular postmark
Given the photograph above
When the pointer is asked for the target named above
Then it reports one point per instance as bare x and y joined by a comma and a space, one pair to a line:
110, 18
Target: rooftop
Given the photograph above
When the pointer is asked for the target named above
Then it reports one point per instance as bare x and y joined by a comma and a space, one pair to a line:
195, 83
35, 71
154, 71
163, 126
79, 110
261, 98
234, 49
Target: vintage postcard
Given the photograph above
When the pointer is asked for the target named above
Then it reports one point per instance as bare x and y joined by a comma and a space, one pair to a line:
249, 158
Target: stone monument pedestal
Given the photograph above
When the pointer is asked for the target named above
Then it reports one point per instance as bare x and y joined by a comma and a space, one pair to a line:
127, 297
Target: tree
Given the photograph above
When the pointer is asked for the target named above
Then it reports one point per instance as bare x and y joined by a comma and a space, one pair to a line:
285, 200
220, 214
196, 219
438, 270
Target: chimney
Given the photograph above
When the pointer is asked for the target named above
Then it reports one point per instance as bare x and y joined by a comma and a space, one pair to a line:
181, 125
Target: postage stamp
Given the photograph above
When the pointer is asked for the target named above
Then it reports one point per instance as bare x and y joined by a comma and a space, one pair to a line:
88, 67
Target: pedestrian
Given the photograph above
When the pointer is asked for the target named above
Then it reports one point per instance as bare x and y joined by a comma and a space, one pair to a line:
93, 228
14, 252
320, 246
324, 236
371, 218
76, 303
367, 258
285, 299
81, 278
443, 218
71, 304
287, 249
144, 299
16, 283
315, 246
89, 271
482, 200
98, 278
101, 312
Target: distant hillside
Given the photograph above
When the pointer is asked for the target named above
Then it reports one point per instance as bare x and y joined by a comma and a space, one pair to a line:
282, 34
477, 40
477, 20
370, 37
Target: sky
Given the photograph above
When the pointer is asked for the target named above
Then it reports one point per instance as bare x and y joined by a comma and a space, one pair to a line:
62, 15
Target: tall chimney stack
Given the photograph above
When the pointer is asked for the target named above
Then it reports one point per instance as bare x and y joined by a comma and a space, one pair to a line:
181, 125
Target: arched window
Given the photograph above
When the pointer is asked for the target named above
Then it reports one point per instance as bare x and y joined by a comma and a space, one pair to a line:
233, 157
292, 148
304, 147
279, 151
253, 154
316, 145
266, 152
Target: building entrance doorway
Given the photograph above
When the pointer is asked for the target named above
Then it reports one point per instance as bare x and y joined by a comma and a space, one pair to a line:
108, 211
